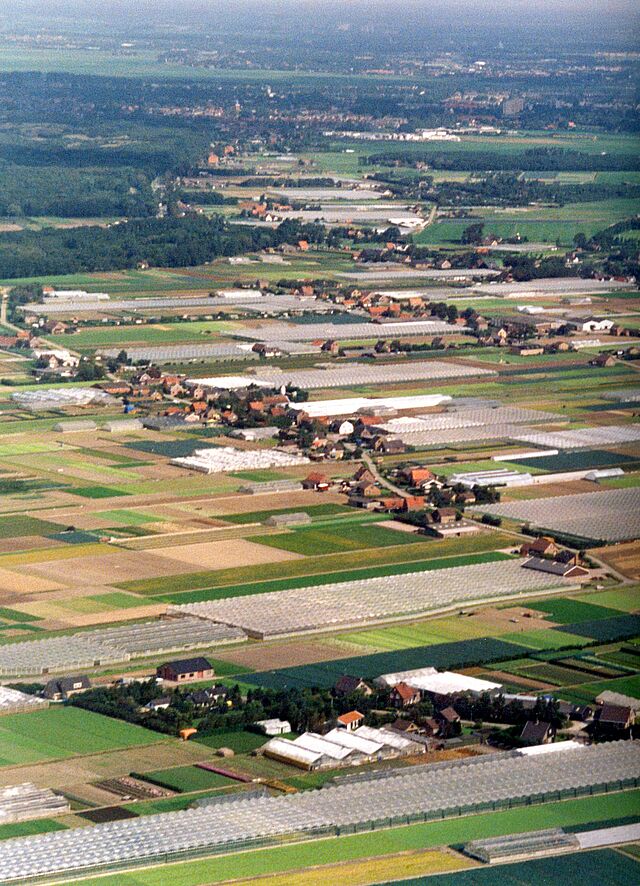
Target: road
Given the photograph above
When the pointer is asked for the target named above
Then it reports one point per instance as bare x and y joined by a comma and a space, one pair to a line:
381, 481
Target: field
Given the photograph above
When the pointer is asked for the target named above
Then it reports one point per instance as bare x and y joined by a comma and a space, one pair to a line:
363, 846
186, 779
443, 655
61, 732
241, 742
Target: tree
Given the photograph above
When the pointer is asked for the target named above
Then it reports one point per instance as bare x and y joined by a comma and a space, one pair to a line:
473, 234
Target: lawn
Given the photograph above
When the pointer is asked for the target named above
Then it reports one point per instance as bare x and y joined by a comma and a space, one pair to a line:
403, 839
186, 779
61, 732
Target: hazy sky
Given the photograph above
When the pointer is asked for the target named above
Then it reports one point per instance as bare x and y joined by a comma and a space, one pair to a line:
409, 21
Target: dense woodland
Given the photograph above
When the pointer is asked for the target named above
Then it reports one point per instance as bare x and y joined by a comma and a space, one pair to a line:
168, 242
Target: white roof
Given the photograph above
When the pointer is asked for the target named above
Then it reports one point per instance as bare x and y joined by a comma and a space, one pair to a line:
351, 405
274, 723
448, 683
285, 748
551, 748
445, 683
392, 739
239, 293
403, 676
348, 739
228, 382
310, 741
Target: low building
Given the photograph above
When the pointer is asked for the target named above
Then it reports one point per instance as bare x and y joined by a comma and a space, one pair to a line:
273, 726
298, 518
540, 547
186, 670
536, 732
350, 721
316, 481
347, 685
403, 696
61, 688
158, 704
553, 567
614, 718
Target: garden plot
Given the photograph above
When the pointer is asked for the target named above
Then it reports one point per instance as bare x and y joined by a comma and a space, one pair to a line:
612, 516
591, 438
426, 791
345, 604
225, 458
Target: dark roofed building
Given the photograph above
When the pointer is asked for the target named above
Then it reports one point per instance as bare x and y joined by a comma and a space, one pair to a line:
347, 685
64, 687
614, 718
186, 669
536, 732
564, 570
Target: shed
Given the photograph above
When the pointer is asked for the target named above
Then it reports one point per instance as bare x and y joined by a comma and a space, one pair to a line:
298, 518
536, 732
68, 427
350, 721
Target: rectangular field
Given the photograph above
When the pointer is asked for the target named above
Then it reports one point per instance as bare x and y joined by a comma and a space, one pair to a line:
186, 779
60, 732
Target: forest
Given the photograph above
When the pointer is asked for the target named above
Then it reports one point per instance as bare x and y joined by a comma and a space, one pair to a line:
62, 191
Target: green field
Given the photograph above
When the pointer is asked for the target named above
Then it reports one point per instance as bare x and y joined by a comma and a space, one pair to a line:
545, 639
588, 810
263, 587
29, 828
239, 741
311, 541
22, 524
186, 779
569, 610
60, 732
325, 510
152, 334
360, 564
624, 599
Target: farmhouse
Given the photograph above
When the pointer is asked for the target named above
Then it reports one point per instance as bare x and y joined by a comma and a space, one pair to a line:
62, 688
403, 695
185, 670
541, 547
316, 481
536, 732
553, 567
347, 685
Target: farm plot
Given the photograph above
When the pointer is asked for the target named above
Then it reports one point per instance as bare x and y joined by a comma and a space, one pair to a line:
567, 610
546, 639
606, 630
624, 599
466, 653
311, 541
420, 792
369, 601
61, 732
186, 779
613, 515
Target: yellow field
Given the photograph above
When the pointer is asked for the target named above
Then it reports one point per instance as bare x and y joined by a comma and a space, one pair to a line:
371, 870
